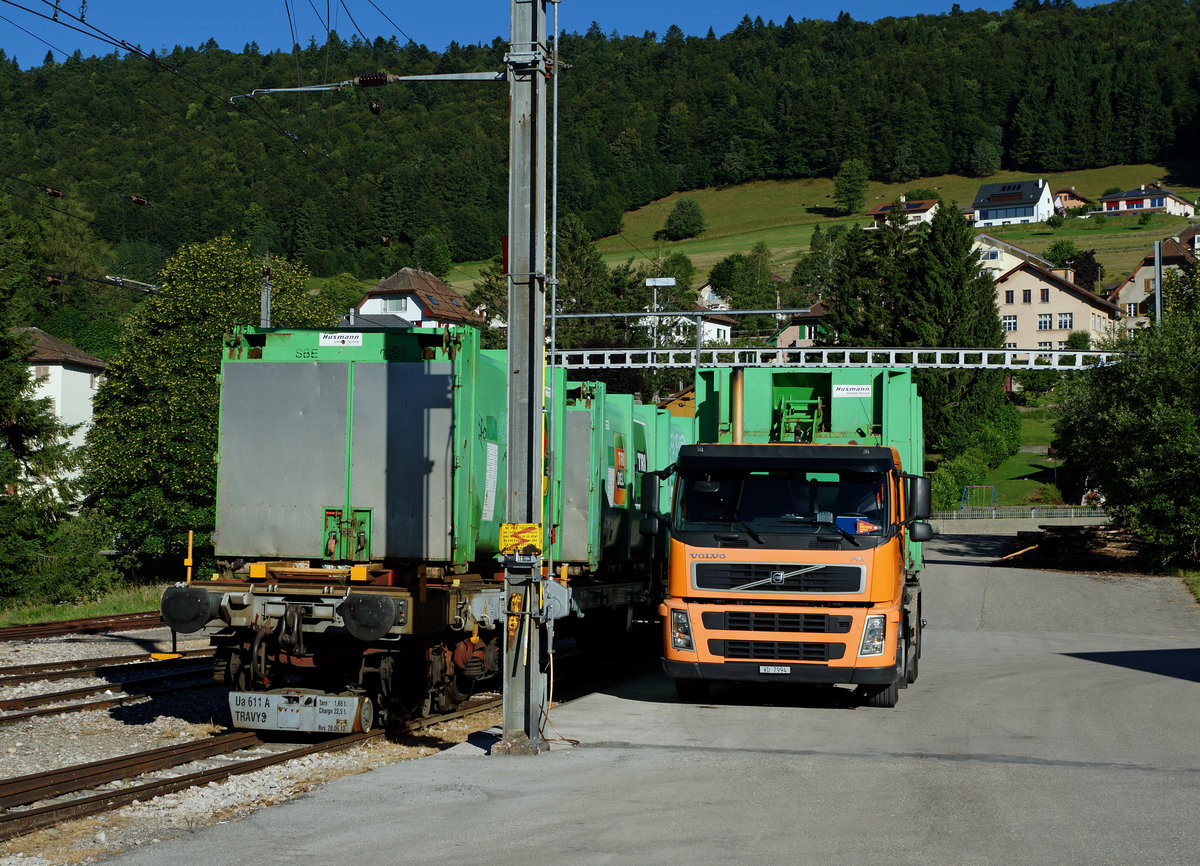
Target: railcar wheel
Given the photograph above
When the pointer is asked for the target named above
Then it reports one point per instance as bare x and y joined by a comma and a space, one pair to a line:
691, 691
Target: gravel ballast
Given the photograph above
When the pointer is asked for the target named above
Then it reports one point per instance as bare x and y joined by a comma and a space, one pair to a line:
50, 742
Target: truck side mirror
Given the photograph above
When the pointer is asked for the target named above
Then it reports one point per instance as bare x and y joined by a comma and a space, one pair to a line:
920, 498
920, 532
650, 486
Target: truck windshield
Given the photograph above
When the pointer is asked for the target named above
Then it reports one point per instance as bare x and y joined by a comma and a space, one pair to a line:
784, 501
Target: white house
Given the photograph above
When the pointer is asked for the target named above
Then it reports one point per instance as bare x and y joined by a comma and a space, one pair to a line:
413, 296
1022, 201
1147, 197
66, 375
916, 211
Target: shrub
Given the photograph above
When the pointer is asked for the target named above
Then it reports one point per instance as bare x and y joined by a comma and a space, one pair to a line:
966, 470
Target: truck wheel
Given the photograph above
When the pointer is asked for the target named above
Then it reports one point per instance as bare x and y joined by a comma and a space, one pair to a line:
911, 674
691, 691
880, 696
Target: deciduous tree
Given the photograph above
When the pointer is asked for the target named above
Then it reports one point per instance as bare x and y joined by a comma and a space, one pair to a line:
155, 427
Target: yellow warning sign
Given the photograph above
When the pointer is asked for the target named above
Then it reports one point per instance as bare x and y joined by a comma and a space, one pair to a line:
521, 537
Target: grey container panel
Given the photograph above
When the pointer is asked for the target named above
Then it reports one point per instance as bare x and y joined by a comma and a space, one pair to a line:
402, 457
282, 461
577, 487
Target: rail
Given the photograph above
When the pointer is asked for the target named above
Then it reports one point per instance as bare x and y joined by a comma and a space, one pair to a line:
38, 787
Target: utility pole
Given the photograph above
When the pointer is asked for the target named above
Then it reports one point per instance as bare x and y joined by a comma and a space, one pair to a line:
531, 599
525, 586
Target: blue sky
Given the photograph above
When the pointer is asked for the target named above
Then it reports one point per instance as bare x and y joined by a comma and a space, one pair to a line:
160, 24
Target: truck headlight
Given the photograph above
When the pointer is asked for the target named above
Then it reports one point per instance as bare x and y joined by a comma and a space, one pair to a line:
873, 635
681, 631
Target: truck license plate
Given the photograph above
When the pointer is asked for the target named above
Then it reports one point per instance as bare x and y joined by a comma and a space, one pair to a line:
774, 669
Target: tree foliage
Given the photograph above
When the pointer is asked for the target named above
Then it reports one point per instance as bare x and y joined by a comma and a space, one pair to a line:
155, 433
686, 220
36, 492
1131, 431
850, 186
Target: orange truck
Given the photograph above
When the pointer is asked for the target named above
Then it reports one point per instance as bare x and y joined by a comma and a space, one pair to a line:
795, 532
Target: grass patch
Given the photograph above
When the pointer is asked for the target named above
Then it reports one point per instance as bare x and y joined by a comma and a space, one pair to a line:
1037, 427
1191, 579
1025, 478
132, 599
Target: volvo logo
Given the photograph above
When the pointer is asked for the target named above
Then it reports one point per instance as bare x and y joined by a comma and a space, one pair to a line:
708, 556
776, 577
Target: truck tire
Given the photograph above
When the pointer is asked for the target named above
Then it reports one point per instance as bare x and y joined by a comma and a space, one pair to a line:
881, 696
691, 691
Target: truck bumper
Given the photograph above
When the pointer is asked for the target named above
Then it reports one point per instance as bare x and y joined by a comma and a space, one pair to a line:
795, 673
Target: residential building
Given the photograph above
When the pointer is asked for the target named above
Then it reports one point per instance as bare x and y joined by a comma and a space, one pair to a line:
1148, 197
1134, 297
1022, 201
917, 211
715, 328
803, 329
1066, 198
414, 297
998, 257
66, 375
1039, 308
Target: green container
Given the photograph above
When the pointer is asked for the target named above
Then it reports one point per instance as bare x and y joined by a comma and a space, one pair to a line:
365, 445
837, 406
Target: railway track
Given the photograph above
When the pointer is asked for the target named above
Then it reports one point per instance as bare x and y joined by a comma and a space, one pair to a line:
89, 625
37, 801
117, 693
73, 669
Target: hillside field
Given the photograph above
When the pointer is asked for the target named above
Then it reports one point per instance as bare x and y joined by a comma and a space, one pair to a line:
783, 214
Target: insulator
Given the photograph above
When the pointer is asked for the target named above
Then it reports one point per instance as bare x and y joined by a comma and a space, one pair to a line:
373, 79
54, 281
54, 192
137, 199
385, 240
376, 108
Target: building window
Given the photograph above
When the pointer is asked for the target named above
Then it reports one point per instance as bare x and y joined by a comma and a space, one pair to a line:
1046, 346
1045, 321
1135, 203
1009, 323
1157, 202
395, 305
990, 255
1026, 296
1112, 205
1010, 345
41, 371
1131, 309
1008, 296
1045, 293
1062, 344
1066, 321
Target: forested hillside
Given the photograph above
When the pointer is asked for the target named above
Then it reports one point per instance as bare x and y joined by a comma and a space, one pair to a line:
149, 153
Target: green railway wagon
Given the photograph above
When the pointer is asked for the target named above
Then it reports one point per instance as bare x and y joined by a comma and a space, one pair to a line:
360, 496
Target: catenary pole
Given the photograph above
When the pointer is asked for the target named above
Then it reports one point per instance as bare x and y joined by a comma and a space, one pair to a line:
528, 67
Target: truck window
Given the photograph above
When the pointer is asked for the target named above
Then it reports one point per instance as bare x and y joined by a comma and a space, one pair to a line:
784, 500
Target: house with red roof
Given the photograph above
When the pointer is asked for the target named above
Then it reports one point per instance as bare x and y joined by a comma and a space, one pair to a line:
1148, 197
67, 376
412, 296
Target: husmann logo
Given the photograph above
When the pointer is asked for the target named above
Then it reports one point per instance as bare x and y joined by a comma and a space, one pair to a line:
708, 556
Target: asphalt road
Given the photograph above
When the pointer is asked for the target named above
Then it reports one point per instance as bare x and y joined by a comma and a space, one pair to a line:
1054, 721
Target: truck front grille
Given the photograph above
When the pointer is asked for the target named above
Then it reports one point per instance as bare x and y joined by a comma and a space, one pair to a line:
840, 579
748, 620
770, 650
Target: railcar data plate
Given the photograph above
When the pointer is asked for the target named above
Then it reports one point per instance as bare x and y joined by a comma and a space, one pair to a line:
774, 669
294, 712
